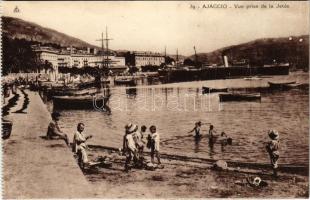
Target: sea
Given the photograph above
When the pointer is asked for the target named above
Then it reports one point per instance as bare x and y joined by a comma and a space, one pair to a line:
175, 107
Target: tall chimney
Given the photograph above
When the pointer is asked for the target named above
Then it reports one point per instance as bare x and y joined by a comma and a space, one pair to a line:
225, 61
88, 50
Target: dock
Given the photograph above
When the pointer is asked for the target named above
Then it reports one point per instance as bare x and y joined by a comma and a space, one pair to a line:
34, 167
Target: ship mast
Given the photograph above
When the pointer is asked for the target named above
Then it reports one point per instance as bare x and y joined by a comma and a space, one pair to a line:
196, 57
107, 47
102, 46
177, 59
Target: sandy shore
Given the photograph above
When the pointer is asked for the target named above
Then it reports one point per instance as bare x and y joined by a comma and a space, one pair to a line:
181, 179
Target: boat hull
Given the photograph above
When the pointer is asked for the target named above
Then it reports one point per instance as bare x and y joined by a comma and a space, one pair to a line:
213, 73
80, 102
239, 97
206, 90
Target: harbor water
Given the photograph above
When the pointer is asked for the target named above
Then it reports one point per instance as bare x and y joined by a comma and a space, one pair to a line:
174, 109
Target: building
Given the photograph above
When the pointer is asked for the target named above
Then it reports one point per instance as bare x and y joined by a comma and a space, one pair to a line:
77, 58
142, 58
71, 57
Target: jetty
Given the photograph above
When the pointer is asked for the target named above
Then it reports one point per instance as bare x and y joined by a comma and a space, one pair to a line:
34, 167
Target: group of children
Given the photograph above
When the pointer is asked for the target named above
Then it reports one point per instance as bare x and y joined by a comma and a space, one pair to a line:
135, 141
272, 146
212, 134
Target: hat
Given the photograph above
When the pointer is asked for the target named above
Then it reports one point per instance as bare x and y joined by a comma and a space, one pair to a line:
128, 126
132, 128
257, 181
273, 134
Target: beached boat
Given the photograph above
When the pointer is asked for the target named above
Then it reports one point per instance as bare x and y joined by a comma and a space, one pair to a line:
280, 85
124, 81
213, 90
6, 128
80, 102
239, 97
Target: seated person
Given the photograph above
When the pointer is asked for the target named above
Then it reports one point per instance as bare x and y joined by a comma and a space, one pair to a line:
53, 130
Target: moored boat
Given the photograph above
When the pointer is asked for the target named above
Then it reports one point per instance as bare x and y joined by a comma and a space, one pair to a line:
239, 97
124, 81
213, 90
280, 85
80, 102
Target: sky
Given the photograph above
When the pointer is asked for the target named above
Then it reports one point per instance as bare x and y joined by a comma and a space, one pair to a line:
150, 26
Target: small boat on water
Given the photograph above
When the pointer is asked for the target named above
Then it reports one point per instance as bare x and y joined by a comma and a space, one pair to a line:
239, 97
213, 90
280, 85
124, 81
80, 102
254, 78
72, 91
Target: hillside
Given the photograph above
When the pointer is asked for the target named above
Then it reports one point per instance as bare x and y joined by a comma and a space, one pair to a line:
263, 51
20, 29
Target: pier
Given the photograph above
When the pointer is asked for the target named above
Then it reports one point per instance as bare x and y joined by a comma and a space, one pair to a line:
34, 167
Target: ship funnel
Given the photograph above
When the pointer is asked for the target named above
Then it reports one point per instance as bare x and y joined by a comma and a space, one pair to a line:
225, 61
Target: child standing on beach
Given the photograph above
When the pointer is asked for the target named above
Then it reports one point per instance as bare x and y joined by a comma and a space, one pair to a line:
154, 140
129, 146
273, 150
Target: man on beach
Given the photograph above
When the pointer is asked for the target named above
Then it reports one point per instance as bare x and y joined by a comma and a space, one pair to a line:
53, 130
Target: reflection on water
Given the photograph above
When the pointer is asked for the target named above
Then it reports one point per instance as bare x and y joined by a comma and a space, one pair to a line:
175, 110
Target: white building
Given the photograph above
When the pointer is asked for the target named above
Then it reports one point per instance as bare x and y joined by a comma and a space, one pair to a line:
148, 58
69, 58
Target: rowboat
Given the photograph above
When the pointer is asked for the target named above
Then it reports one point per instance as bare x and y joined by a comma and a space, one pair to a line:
80, 102
254, 78
239, 97
124, 81
280, 85
72, 91
213, 90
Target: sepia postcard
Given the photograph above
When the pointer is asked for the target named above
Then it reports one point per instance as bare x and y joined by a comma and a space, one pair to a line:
154, 99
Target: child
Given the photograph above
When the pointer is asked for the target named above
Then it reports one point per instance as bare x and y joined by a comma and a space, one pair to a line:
129, 146
154, 144
197, 130
272, 149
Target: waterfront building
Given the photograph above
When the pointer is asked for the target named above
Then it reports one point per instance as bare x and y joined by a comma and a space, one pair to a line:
144, 58
71, 57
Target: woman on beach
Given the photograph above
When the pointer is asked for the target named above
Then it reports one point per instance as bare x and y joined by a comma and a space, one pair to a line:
273, 150
79, 145
53, 130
